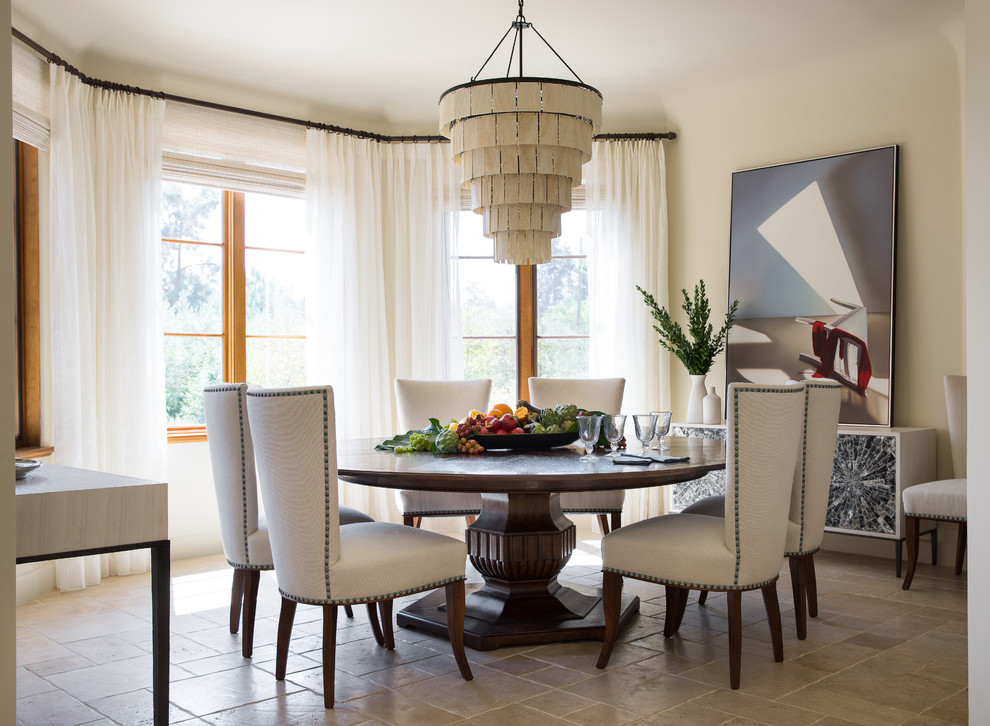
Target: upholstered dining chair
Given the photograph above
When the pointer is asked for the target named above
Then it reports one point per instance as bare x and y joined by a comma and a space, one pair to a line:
942, 500
741, 552
321, 563
243, 531
590, 394
809, 497
417, 401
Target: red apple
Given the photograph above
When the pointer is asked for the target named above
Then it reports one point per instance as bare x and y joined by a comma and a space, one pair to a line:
518, 430
500, 432
483, 431
509, 422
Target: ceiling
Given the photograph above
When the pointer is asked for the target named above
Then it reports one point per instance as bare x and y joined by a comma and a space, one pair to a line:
381, 65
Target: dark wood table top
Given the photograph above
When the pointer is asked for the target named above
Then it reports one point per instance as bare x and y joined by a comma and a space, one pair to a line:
560, 469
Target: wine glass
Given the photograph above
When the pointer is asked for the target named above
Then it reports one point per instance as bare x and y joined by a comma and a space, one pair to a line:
588, 429
615, 428
662, 428
645, 424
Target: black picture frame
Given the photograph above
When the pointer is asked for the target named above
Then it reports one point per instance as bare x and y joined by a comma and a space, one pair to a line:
812, 262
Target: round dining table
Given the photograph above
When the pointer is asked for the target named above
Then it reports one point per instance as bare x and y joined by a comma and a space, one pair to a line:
521, 540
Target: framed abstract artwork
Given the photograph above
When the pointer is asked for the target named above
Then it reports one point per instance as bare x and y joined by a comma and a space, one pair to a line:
811, 261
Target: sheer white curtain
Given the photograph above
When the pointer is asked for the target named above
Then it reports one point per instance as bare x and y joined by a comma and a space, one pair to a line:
626, 198
107, 346
381, 266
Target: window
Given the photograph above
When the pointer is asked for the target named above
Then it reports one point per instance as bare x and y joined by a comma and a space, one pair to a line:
232, 263
523, 321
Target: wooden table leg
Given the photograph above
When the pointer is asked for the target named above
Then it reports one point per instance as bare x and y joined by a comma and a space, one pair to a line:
160, 604
519, 544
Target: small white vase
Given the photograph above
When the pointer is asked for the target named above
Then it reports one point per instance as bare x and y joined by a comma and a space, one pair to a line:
713, 408
696, 406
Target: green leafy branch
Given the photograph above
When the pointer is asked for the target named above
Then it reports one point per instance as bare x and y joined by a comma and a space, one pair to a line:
698, 353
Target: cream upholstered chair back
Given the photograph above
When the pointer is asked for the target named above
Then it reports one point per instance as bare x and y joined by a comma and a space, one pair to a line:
955, 403
813, 472
232, 460
591, 394
296, 448
417, 400
763, 435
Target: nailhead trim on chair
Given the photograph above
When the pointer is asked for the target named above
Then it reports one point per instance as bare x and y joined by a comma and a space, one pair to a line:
690, 585
802, 552
735, 478
591, 511
250, 567
443, 513
939, 517
804, 469
244, 507
355, 600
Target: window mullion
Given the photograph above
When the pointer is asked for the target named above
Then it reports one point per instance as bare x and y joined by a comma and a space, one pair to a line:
235, 350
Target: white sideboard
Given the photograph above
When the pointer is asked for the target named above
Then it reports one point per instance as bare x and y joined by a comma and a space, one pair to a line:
873, 465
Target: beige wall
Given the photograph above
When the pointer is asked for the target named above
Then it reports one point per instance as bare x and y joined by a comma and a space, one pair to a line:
7, 608
907, 94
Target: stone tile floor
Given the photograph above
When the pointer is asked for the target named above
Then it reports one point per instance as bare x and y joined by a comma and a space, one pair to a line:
875, 655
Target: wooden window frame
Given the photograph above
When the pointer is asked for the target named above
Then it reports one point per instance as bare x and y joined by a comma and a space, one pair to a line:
234, 336
28, 441
234, 361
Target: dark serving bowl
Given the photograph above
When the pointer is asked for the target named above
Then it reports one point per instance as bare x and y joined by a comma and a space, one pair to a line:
526, 442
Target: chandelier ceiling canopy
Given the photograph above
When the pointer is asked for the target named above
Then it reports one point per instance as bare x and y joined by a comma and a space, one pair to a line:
521, 142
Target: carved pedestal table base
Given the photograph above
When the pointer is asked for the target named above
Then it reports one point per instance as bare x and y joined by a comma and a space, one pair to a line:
519, 544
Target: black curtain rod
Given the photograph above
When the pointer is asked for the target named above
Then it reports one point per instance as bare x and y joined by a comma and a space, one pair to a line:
109, 85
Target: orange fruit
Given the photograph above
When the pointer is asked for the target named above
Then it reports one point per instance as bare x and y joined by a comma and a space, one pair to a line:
500, 409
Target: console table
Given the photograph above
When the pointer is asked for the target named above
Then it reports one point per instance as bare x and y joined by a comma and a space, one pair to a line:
873, 465
67, 512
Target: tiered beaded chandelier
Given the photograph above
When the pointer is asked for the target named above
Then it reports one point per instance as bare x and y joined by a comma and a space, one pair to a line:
521, 143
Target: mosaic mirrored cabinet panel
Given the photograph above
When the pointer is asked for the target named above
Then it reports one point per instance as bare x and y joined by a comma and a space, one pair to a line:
872, 467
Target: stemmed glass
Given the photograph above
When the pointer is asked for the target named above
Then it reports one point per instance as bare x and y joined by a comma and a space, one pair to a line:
615, 428
662, 428
588, 429
645, 425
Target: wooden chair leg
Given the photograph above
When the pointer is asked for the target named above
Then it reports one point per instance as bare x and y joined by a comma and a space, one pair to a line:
236, 596
702, 597
252, 579
911, 534
375, 628
611, 604
734, 599
960, 547
470, 519
616, 520
285, 618
454, 595
772, 604
603, 524
798, 590
811, 585
348, 611
388, 632
329, 653
409, 520
676, 603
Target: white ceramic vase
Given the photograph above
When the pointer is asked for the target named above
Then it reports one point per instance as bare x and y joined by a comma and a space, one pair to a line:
696, 401
713, 408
